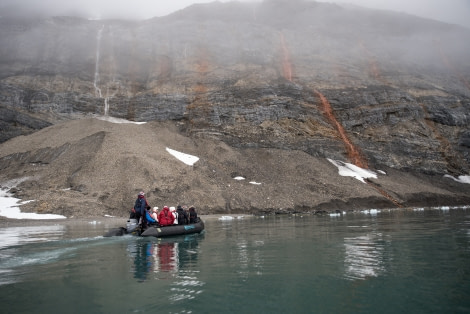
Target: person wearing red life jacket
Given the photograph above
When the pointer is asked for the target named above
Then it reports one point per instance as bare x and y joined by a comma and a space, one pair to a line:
165, 218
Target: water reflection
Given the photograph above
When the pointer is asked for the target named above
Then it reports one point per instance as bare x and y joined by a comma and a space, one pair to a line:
364, 256
166, 257
163, 258
141, 252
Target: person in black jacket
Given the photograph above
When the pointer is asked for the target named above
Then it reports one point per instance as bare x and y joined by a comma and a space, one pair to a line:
192, 215
182, 216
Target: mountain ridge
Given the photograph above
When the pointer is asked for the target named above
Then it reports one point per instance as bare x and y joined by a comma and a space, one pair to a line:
380, 90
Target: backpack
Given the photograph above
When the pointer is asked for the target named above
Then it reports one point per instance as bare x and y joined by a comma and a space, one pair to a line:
138, 205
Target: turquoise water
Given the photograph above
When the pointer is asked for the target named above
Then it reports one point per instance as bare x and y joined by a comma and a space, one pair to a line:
387, 262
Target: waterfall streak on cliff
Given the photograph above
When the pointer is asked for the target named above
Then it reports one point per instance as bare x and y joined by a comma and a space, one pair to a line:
97, 62
106, 106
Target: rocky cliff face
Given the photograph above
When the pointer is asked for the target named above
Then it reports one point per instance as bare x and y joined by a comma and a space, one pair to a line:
373, 88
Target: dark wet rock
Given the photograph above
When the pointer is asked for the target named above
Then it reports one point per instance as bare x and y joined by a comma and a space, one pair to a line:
465, 139
16, 122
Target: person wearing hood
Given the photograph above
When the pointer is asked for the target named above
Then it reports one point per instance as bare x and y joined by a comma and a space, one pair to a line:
151, 218
173, 212
155, 214
165, 218
140, 209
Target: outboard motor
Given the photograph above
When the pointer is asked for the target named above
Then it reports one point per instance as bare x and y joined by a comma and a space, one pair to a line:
132, 225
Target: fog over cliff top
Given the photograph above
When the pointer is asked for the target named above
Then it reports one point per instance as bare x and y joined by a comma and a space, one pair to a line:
450, 11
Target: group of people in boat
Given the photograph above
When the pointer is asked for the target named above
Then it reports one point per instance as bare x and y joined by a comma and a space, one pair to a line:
168, 216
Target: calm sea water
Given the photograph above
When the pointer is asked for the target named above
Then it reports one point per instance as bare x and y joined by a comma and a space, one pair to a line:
389, 262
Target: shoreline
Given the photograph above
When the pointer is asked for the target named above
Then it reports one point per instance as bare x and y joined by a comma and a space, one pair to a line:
121, 221
13, 222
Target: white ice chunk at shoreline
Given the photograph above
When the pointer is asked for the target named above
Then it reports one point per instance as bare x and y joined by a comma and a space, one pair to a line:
225, 218
460, 179
349, 170
371, 211
187, 159
230, 218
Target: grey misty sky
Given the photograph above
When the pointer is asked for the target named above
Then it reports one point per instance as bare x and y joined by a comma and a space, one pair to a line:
451, 11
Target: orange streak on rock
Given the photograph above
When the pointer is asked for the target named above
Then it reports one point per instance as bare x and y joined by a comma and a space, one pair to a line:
454, 163
384, 193
373, 67
353, 152
286, 63
202, 67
